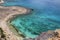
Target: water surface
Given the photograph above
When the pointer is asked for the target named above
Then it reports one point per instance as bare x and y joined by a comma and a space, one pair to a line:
45, 16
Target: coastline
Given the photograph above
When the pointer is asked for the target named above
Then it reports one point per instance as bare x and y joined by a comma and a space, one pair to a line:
6, 14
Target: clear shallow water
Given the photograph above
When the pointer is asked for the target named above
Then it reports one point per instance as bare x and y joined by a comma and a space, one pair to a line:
45, 16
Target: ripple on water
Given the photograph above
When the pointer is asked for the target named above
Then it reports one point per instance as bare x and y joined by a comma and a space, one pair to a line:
32, 25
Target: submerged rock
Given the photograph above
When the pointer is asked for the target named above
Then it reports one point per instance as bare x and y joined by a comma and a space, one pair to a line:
28, 39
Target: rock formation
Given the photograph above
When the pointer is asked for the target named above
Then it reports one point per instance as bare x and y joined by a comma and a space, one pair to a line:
5, 14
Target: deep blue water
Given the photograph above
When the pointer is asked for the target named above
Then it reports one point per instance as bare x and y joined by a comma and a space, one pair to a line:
45, 16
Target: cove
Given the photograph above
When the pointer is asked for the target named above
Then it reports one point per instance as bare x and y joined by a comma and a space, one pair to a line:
45, 16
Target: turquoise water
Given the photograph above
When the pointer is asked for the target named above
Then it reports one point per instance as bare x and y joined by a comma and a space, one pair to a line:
45, 16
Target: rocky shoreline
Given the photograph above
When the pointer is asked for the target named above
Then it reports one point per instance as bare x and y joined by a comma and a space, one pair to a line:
5, 14
6, 33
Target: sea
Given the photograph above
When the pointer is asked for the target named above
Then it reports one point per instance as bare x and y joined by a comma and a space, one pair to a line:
44, 16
